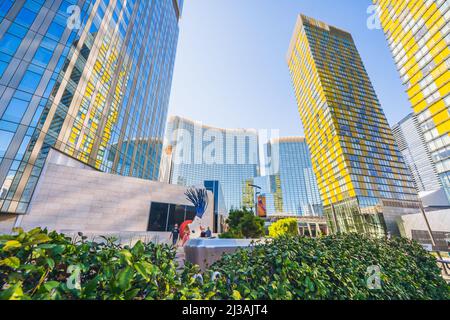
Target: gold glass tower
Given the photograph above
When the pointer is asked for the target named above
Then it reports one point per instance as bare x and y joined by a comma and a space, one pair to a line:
418, 33
362, 178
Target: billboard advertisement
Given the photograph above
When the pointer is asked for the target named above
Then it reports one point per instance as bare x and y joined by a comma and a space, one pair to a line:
262, 209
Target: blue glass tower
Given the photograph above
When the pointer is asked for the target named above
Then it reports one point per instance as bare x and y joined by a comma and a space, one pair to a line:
291, 185
89, 78
196, 153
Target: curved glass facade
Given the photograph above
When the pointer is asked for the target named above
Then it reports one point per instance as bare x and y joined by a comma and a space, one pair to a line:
88, 78
196, 153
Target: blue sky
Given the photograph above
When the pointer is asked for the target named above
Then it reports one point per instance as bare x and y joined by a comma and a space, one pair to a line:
231, 72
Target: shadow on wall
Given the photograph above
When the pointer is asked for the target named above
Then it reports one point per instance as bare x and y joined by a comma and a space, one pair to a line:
7, 222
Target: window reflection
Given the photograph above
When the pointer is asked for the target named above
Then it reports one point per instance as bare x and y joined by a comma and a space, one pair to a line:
163, 216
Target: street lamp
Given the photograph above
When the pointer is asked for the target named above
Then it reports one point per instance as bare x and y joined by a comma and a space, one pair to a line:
256, 196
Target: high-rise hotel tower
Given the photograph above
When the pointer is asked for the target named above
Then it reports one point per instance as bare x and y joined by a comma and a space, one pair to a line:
418, 33
290, 176
89, 78
363, 180
195, 153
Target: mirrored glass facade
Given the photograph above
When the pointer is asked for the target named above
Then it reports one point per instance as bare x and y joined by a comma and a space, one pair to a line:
291, 186
195, 153
354, 155
89, 78
418, 33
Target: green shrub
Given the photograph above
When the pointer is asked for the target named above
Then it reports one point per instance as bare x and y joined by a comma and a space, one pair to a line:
283, 227
41, 265
244, 224
334, 267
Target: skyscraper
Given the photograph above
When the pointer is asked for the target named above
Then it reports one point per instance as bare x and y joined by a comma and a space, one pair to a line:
363, 180
290, 185
416, 154
87, 78
195, 153
418, 36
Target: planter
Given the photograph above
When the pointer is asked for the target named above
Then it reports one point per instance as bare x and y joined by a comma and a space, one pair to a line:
204, 252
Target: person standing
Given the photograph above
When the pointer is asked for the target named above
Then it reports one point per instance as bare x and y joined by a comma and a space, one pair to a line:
208, 233
202, 232
175, 235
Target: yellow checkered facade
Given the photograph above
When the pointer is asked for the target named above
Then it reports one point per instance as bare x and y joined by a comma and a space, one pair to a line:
354, 155
418, 33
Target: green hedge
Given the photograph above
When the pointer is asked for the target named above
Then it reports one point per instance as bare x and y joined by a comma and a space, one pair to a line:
42, 265
334, 267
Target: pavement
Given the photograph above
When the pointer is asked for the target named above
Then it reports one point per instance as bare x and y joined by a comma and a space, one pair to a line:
180, 257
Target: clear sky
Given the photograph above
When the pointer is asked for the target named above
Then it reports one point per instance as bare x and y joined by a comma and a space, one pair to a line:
231, 71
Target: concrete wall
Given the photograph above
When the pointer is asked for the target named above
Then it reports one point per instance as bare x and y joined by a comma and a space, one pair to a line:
7, 223
439, 222
79, 199
392, 215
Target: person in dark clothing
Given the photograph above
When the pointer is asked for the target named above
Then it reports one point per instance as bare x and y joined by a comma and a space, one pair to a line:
202, 232
175, 235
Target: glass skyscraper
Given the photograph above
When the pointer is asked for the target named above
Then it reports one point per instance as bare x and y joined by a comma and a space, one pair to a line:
195, 153
411, 142
418, 33
362, 178
88, 78
291, 185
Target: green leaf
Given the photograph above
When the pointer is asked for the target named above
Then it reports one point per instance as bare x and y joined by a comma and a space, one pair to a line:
138, 249
142, 270
15, 292
124, 278
236, 295
12, 262
50, 263
11, 245
50, 285
130, 295
126, 256
39, 238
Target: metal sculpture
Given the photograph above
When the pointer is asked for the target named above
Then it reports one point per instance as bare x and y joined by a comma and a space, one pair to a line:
199, 198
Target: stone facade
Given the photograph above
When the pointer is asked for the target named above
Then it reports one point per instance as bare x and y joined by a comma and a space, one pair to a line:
439, 222
68, 198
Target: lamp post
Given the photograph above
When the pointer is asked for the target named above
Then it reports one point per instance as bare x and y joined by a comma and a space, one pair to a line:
256, 196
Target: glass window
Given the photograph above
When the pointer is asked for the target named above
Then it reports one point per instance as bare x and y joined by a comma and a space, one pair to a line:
190, 213
42, 57
176, 216
9, 44
30, 82
17, 30
4, 7
55, 31
3, 66
15, 110
158, 217
25, 17
5, 140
